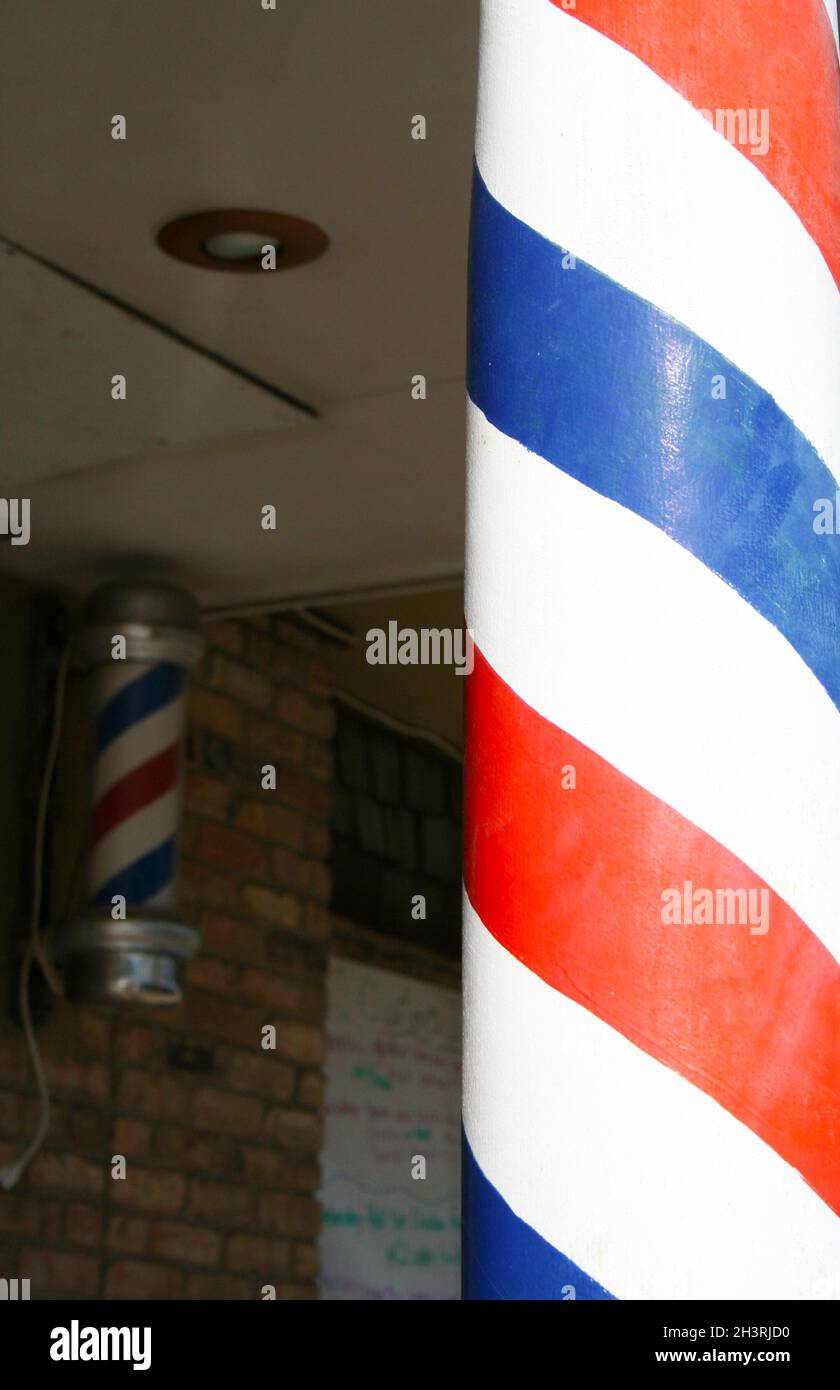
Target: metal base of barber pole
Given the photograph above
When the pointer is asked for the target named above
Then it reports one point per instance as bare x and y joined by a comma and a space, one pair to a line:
137, 961
128, 944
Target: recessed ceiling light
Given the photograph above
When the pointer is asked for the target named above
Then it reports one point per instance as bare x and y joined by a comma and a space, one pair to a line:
234, 240
239, 246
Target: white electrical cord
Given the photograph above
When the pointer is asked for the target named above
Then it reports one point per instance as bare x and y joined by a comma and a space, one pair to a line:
11, 1173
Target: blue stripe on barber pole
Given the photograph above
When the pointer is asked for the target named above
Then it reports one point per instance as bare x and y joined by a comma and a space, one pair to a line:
675, 213
541, 542
135, 701
144, 878
573, 366
634, 1173
506, 1259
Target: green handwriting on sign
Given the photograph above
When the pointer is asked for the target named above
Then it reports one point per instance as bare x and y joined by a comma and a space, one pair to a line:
368, 1074
381, 1219
402, 1254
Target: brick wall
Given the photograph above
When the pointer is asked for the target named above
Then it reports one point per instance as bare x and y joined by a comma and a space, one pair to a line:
220, 1136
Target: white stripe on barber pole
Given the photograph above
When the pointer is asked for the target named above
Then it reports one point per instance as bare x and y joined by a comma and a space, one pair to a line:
641, 1179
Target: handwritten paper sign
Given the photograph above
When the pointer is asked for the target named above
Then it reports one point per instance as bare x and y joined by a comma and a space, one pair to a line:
392, 1109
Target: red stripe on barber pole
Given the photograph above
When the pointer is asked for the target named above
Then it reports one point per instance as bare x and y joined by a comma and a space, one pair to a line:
570, 881
725, 57
136, 790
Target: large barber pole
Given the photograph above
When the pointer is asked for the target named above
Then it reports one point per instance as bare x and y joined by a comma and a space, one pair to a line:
652, 917
140, 641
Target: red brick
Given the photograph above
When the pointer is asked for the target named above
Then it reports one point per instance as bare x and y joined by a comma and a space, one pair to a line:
317, 922
83, 1224
273, 1169
313, 1001
152, 1094
319, 761
296, 1293
273, 743
189, 833
228, 936
304, 793
319, 880
11, 1112
13, 1060
302, 712
66, 1172
54, 1271
210, 973
302, 1042
19, 1215
193, 1245
127, 1234
268, 820
89, 1129
136, 1279
310, 1089
218, 1286
218, 844
131, 1137
174, 1019
260, 649
258, 1255
288, 869
305, 1260
220, 1203
88, 1079
316, 839
227, 635
52, 1214
149, 1189
278, 909
206, 796
233, 1023
320, 677
261, 1073
185, 1149
136, 1043
93, 1033
289, 1216
298, 1131
206, 887
248, 686
286, 654
224, 1111
265, 987
296, 957
308, 877
214, 712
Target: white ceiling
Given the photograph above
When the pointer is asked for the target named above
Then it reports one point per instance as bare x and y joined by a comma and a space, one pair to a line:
307, 110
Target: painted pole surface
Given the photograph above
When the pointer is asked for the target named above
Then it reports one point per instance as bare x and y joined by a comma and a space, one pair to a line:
652, 934
139, 641
139, 729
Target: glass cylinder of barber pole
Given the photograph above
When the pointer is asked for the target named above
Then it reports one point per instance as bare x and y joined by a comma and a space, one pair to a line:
139, 642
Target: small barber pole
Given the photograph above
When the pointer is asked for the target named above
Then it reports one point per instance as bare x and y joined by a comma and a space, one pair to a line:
140, 642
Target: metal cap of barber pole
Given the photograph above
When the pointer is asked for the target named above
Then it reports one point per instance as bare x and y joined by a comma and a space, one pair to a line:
128, 945
158, 621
